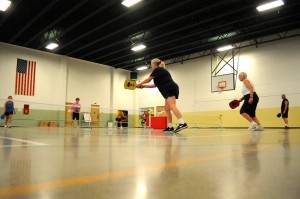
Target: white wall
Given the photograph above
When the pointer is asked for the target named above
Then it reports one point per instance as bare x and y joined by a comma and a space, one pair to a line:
100, 84
88, 81
61, 79
51, 70
273, 67
122, 98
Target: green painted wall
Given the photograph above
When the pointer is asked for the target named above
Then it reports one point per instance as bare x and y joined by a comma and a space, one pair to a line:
230, 118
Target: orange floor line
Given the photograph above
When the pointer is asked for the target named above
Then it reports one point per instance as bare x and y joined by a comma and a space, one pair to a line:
62, 183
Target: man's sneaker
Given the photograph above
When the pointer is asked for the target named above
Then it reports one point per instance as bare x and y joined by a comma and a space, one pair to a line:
259, 128
181, 127
168, 130
5, 126
286, 127
252, 126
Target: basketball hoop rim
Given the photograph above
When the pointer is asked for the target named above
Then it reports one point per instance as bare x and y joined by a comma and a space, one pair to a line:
220, 88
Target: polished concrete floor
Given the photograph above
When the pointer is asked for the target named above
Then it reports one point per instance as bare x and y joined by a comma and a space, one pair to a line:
47, 163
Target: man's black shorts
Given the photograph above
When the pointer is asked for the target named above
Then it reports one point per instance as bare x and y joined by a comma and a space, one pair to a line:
286, 115
250, 109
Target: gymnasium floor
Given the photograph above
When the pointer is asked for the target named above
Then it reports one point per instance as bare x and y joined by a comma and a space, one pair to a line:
47, 163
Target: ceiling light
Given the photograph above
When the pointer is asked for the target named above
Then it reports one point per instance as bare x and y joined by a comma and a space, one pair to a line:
4, 4
52, 46
138, 47
142, 68
270, 5
224, 48
129, 3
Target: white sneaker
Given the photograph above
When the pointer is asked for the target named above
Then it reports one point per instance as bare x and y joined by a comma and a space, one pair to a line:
259, 128
5, 126
252, 126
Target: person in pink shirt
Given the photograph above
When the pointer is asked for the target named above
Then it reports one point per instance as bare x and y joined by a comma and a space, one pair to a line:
76, 110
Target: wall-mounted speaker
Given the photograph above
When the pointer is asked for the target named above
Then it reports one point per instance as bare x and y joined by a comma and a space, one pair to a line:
133, 75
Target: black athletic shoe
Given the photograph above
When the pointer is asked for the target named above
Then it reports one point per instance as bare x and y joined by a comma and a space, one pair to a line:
169, 130
181, 127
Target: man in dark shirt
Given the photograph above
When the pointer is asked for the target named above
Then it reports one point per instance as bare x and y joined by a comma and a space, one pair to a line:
285, 110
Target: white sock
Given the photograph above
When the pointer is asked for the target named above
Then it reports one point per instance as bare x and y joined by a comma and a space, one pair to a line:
170, 125
181, 121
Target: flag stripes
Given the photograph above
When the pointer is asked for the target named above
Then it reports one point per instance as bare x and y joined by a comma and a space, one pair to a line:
25, 77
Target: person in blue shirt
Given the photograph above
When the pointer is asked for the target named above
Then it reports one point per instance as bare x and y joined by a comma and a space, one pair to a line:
9, 110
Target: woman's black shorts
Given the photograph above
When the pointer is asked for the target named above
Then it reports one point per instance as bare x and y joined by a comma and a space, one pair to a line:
250, 108
75, 116
9, 113
170, 91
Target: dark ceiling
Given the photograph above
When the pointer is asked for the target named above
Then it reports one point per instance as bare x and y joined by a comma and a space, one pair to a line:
103, 31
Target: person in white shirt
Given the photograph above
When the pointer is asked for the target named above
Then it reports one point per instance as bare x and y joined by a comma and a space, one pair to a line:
251, 100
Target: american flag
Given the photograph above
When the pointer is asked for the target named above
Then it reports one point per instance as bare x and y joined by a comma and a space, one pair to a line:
25, 77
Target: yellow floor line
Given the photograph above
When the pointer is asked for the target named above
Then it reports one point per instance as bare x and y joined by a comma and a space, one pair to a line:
63, 183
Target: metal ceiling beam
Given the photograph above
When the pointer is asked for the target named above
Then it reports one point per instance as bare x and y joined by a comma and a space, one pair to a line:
70, 28
98, 28
70, 11
160, 26
218, 43
229, 40
244, 44
33, 20
181, 59
204, 53
122, 29
186, 36
209, 30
